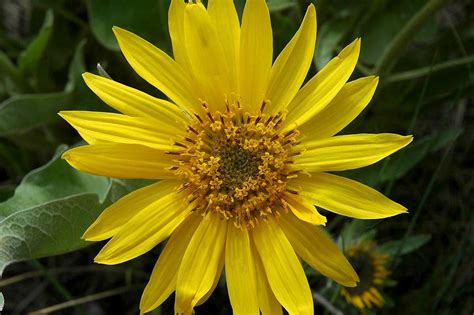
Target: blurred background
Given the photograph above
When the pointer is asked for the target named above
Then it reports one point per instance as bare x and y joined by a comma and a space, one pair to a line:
423, 51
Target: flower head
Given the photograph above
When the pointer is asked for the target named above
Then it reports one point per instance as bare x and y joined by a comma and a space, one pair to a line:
370, 265
242, 152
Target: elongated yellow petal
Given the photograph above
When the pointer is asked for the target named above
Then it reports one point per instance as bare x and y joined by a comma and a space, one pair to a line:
323, 87
316, 248
292, 65
110, 127
240, 272
304, 210
176, 29
133, 102
200, 263
345, 196
146, 229
120, 161
225, 20
256, 50
267, 301
283, 269
157, 68
220, 268
346, 106
206, 56
163, 278
112, 219
348, 152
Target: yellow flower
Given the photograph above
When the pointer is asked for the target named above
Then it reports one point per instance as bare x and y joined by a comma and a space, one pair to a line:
370, 265
242, 154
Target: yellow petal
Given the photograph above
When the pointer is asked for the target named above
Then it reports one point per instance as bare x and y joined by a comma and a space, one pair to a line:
133, 102
110, 127
120, 161
346, 106
220, 268
316, 248
157, 68
292, 65
146, 229
267, 301
256, 50
176, 29
206, 56
304, 210
283, 268
225, 19
200, 263
240, 272
323, 87
163, 278
347, 152
345, 196
112, 219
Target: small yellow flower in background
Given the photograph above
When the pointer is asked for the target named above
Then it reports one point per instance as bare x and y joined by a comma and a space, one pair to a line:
242, 152
370, 266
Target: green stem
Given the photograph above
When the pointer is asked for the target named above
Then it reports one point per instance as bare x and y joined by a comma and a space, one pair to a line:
396, 47
421, 72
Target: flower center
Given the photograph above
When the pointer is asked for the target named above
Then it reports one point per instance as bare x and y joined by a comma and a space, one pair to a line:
363, 265
369, 265
237, 164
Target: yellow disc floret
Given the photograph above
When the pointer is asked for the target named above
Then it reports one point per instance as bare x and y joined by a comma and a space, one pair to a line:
237, 164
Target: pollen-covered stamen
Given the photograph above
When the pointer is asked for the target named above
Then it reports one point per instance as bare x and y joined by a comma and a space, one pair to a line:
237, 164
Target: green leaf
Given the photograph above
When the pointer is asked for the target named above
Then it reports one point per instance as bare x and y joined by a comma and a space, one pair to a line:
47, 229
24, 112
51, 209
329, 37
278, 5
400, 163
52, 181
411, 244
146, 18
30, 58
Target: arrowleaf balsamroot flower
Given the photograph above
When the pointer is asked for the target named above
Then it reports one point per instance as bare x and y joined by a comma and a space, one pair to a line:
242, 152
371, 267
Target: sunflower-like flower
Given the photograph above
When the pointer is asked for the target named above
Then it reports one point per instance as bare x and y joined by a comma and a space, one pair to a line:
370, 265
242, 153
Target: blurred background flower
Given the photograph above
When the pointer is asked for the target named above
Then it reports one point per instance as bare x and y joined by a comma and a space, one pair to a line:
423, 51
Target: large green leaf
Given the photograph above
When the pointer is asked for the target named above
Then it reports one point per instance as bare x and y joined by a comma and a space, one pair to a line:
51, 209
54, 180
146, 18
